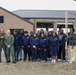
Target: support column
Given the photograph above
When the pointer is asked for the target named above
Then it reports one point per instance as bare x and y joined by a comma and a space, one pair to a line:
34, 26
55, 26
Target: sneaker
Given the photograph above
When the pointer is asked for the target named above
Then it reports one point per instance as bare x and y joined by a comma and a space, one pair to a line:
70, 62
64, 60
43, 61
59, 60
52, 61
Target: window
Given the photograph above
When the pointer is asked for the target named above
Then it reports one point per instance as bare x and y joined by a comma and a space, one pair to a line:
1, 19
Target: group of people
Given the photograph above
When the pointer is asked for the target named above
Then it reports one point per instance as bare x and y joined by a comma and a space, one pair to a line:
42, 45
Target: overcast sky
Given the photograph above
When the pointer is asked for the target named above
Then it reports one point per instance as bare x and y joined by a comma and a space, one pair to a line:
38, 4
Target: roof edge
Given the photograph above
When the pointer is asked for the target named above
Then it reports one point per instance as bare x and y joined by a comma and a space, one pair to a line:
12, 13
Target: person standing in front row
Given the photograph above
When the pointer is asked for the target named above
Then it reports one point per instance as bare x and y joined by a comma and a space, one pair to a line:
62, 39
26, 45
34, 45
16, 45
21, 49
43, 45
9, 41
54, 46
2, 45
71, 46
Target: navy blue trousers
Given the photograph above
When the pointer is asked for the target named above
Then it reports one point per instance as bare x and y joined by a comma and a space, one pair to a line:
34, 54
16, 52
43, 54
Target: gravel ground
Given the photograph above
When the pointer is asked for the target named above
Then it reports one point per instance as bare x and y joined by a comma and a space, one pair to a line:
37, 68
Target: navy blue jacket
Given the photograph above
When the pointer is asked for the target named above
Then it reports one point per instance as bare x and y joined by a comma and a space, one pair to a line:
25, 41
62, 38
20, 38
16, 40
54, 42
34, 41
47, 38
43, 43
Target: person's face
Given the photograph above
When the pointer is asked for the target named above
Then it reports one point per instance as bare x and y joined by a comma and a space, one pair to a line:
2, 30
8, 32
47, 35
26, 34
31, 33
34, 35
15, 33
54, 34
42, 35
59, 32
71, 30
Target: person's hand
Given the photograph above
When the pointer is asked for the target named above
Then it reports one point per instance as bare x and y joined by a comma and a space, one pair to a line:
34, 47
28, 46
8, 46
2, 37
39, 49
22, 46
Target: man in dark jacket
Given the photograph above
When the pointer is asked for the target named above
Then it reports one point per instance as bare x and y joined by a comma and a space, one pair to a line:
16, 45
26, 45
62, 39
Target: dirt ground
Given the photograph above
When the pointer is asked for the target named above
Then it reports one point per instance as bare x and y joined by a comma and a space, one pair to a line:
38, 68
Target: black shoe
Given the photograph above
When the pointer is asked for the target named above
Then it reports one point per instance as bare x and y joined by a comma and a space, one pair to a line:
14, 62
20, 59
8, 62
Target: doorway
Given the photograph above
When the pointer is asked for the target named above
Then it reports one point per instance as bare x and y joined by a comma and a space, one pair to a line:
45, 26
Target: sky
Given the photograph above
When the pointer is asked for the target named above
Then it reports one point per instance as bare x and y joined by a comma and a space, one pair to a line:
13, 5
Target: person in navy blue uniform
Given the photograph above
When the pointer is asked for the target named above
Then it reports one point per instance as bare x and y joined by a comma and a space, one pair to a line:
42, 45
54, 46
31, 35
34, 45
26, 45
21, 49
47, 47
38, 51
62, 39
49, 36
16, 45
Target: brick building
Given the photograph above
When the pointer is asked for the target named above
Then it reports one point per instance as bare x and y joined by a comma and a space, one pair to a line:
34, 20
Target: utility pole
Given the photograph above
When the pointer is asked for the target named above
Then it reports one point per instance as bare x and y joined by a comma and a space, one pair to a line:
75, 24
66, 25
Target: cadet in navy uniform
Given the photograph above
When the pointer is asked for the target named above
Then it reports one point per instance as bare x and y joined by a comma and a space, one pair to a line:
16, 45
62, 39
34, 45
49, 36
21, 50
42, 46
26, 45
54, 46
47, 47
